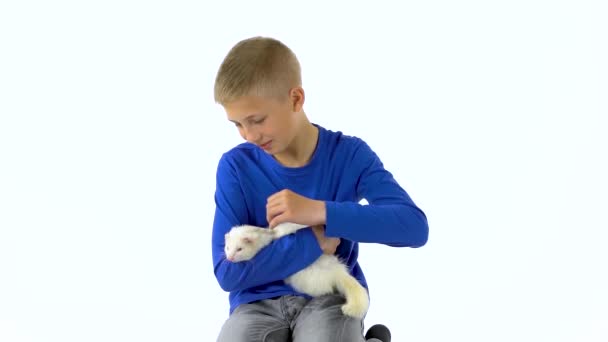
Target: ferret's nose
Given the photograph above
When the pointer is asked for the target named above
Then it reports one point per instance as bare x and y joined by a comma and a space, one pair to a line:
229, 258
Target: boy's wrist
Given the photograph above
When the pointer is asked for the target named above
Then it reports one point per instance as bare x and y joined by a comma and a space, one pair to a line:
321, 212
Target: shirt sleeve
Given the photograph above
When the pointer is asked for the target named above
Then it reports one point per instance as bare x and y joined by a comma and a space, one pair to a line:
280, 259
390, 218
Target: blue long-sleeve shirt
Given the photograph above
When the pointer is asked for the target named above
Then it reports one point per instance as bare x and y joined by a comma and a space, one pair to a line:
342, 171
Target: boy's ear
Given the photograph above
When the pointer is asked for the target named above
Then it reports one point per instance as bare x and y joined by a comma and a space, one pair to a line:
296, 97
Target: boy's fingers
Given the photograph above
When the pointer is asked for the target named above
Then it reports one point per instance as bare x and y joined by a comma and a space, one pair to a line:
276, 221
270, 200
273, 205
269, 219
275, 195
273, 211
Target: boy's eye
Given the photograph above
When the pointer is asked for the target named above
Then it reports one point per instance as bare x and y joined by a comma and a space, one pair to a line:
259, 121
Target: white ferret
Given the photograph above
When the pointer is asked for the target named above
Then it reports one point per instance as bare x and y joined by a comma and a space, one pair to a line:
321, 277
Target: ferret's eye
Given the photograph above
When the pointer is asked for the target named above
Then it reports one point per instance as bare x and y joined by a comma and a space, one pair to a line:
240, 249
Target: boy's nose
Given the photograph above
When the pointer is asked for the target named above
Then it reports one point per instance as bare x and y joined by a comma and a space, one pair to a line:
252, 137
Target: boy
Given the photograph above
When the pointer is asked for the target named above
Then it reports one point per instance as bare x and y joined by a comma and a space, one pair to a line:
291, 170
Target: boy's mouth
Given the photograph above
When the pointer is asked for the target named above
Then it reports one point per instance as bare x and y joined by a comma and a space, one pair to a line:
267, 145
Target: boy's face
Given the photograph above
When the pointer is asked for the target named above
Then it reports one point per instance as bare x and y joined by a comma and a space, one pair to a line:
267, 123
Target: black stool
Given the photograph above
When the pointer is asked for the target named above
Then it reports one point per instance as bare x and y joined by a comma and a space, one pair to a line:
378, 331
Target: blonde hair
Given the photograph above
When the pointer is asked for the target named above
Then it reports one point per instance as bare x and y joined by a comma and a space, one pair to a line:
257, 66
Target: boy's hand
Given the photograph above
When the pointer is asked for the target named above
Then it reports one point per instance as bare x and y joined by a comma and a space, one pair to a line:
328, 245
287, 206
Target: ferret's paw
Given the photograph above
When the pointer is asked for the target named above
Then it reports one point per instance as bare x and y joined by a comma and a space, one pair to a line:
356, 310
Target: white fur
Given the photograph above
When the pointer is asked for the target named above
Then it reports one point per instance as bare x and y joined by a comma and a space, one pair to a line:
321, 277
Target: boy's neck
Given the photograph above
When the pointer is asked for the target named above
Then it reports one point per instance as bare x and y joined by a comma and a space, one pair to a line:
302, 147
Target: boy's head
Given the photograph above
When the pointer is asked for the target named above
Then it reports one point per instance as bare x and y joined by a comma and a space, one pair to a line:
258, 66
259, 84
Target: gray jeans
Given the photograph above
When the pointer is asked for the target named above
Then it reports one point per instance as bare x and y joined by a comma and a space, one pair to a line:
292, 319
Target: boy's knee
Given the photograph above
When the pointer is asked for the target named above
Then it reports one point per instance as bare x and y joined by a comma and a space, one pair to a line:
245, 328
322, 320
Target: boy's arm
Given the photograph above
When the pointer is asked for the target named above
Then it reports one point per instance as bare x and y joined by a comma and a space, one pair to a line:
277, 261
390, 218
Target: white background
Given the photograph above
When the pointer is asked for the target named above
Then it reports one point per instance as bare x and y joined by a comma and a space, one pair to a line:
490, 114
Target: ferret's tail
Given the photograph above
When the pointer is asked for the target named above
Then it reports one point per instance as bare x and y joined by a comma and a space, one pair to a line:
357, 300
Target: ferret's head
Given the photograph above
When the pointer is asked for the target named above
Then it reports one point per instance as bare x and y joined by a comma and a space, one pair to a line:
240, 245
